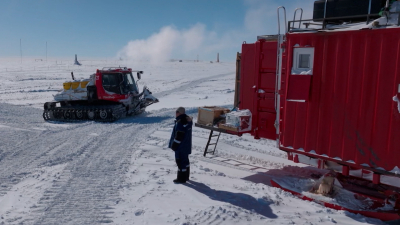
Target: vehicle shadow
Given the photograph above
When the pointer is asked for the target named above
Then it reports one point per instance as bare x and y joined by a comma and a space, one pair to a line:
245, 201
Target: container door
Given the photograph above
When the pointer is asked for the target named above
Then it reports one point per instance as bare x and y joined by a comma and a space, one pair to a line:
257, 86
266, 112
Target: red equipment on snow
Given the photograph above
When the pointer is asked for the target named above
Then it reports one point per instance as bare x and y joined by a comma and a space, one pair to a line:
325, 92
109, 94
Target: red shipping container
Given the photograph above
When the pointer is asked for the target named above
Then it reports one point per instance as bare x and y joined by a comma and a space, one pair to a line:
346, 111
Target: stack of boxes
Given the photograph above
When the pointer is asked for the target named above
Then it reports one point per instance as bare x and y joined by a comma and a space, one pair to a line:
238, 121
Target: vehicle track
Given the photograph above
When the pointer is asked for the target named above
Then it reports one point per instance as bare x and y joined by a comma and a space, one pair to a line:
97, 156
94, 179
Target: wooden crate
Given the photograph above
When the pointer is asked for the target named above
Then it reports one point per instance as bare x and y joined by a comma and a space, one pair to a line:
207, 114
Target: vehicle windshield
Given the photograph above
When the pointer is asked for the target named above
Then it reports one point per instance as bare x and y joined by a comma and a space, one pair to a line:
129, 84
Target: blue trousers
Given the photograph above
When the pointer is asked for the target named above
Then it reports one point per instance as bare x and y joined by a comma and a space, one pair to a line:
182, 160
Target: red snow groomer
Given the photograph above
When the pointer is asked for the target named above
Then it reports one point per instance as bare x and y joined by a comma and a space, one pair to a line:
328, 90
109, 94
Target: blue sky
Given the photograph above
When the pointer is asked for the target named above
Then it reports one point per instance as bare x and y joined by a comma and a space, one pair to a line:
137, 29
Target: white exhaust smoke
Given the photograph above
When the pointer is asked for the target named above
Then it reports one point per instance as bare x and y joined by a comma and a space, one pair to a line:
165, 44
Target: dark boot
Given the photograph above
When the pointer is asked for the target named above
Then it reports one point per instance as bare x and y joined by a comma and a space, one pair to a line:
187, 174
177, 177
180, 177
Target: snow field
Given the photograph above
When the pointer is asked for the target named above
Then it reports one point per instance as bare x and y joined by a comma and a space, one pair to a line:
122, 172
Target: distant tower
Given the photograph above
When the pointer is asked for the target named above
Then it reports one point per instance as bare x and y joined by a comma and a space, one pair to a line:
217, 57
76, 61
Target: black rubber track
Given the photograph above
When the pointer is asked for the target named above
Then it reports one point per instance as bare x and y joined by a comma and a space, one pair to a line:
104, 113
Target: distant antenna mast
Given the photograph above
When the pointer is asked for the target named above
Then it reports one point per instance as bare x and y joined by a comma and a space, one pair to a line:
76, 61
46, 51
20, 48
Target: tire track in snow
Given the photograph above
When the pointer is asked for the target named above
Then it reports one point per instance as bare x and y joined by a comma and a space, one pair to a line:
86, 190
16, 151
90, 185
24, 150
81, 195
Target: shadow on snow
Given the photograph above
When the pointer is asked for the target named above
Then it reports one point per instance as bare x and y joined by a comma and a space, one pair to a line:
245, 201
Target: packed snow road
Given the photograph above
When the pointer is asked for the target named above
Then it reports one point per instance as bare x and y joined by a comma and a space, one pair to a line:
122, 172
91, 157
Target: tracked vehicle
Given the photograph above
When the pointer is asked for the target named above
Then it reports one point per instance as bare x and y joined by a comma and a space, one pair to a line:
108, 95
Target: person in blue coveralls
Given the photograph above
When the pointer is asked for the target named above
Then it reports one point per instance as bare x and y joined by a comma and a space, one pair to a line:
181, 144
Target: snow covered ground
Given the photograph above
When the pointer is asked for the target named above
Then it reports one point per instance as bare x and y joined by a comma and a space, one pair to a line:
122, 172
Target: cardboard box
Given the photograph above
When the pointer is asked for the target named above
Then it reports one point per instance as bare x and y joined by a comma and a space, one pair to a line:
208, 114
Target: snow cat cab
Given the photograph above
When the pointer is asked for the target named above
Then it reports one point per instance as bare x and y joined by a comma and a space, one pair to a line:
109, 94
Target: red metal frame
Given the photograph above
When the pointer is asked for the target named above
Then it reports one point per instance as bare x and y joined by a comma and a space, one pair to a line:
295, 159
384, 216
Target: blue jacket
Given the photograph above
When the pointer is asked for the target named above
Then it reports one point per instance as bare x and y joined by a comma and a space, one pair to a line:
181, 137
